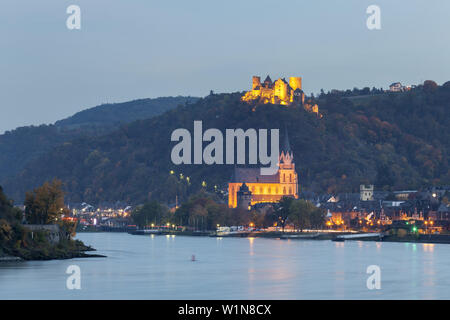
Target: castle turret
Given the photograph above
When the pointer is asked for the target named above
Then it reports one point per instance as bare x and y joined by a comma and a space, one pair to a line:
268, 82
256, 82
244, 197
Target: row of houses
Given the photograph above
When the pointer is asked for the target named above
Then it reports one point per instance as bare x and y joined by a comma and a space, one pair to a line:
431, 204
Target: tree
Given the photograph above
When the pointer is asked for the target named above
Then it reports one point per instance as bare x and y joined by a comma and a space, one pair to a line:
385, 176
150, 212
45, 204
299, 214
317, 218
429, 86
7, 211
282, 211
304, 214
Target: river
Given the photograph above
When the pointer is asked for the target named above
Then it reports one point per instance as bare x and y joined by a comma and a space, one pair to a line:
161, 267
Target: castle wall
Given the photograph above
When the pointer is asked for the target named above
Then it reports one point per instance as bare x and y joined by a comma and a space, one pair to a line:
281, 90
295, 83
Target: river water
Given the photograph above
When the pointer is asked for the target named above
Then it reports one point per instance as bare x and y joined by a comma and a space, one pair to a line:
161, 267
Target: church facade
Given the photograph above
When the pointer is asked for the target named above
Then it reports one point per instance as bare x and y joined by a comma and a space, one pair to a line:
248, 187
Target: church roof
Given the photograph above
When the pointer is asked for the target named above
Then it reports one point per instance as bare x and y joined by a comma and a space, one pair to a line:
253, 175
244, 188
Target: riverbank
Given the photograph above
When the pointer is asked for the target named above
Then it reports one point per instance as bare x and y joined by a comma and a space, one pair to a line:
5, 259
414, 238
66, 249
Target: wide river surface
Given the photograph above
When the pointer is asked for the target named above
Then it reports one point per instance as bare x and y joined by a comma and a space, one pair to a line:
161, 267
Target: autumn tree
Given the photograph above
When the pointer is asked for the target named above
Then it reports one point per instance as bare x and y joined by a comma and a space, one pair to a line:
45, 204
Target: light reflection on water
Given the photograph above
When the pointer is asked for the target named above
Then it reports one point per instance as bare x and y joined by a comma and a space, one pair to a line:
160, 267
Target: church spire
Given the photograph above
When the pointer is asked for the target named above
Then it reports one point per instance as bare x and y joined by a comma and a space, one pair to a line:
286, 155
286, 145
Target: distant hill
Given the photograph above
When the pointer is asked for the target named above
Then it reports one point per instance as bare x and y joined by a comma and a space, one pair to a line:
391, 140
120, 113
19, 146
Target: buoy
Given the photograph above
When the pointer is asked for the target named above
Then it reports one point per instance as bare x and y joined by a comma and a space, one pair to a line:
193, 257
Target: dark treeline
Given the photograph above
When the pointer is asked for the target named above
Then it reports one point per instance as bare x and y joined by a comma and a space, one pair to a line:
204, 212
22, 145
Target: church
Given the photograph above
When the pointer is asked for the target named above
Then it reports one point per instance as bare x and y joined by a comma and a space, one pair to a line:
248, 187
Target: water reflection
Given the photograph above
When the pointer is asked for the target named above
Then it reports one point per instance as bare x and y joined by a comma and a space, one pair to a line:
251, 240
428, 247
234, 268
339, 244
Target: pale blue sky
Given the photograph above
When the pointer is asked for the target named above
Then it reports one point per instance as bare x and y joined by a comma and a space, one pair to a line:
142, 48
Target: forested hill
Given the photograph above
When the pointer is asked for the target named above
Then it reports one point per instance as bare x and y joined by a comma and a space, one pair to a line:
394, 140
20, 146
119, 113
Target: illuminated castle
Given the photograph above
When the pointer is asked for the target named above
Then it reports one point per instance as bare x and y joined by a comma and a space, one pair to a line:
278, 92
248, 187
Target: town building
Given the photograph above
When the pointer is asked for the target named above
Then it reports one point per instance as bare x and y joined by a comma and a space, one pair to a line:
398, 87
248, 187
366, 192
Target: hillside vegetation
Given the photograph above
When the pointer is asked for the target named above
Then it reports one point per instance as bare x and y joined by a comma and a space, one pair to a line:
20, 146
392, 140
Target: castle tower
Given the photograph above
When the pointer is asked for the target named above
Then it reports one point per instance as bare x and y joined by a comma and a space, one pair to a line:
295, 83
244, 197
268, 82
366, 192
281, 91
256, 81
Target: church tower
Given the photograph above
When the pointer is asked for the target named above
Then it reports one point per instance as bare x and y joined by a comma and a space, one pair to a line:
288, 176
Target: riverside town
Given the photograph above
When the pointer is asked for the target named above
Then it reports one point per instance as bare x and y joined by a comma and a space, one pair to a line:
214, 159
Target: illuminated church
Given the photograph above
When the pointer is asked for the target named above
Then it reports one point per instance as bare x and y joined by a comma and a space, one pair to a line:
248, 187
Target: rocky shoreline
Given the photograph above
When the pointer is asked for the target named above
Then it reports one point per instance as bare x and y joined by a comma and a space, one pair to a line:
77, 250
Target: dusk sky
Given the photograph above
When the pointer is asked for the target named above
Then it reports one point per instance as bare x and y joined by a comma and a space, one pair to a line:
139, 49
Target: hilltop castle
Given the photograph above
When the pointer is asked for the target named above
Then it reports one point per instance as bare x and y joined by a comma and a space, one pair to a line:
279, 92
248, 187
